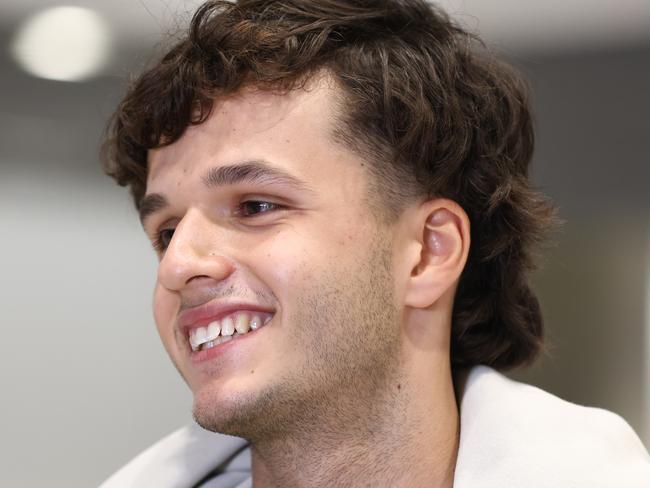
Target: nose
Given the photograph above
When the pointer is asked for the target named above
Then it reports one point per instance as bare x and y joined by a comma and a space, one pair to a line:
193, 253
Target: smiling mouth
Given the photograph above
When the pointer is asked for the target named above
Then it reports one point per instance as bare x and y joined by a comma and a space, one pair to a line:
227, 328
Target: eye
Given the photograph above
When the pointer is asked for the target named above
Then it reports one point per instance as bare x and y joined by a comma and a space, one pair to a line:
251, 208
162, 240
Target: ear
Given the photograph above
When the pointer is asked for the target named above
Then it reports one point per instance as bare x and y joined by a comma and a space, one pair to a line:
442, 233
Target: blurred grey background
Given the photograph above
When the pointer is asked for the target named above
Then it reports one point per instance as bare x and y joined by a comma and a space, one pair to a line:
85, 382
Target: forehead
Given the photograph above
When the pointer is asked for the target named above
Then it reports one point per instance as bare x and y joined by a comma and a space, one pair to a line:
293, 130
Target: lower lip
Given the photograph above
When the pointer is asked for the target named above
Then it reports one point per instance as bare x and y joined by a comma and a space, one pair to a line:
216, 351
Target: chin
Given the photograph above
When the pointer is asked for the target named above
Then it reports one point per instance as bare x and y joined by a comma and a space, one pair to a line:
252, 416
218, 411
224, 410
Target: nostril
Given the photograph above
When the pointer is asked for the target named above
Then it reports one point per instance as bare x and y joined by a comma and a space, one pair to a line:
200, 277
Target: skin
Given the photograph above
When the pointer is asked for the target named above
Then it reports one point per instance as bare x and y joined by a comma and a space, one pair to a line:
350, 384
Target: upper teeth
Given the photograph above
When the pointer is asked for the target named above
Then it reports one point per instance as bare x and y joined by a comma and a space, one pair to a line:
242, 322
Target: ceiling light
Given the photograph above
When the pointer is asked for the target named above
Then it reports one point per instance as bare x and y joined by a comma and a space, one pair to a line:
63, 43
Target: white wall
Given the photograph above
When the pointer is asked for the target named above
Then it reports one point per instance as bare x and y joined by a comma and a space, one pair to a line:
85, 382
646, 382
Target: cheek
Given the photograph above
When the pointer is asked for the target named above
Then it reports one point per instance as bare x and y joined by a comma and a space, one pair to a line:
285, 267
296, 258
286, 264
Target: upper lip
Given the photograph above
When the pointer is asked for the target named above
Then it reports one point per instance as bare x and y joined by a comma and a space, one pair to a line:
210, 311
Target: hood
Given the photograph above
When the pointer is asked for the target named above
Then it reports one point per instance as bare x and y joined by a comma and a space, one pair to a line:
512, 435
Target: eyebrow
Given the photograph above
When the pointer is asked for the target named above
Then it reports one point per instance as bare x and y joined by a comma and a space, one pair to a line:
252, 172
151, 204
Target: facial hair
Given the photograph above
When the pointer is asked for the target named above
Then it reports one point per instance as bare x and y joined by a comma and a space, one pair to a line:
346, 326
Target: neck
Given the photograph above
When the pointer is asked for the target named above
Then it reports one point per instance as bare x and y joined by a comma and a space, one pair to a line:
408, 438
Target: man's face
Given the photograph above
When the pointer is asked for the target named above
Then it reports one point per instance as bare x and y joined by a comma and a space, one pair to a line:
271, 222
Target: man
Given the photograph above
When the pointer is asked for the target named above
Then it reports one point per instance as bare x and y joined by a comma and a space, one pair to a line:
337, 193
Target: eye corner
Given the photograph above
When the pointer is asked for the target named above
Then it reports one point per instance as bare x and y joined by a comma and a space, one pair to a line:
160, 237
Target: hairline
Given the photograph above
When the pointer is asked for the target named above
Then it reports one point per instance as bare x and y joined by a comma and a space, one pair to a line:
383, 197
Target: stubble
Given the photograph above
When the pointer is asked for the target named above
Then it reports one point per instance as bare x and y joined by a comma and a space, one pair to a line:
347, 332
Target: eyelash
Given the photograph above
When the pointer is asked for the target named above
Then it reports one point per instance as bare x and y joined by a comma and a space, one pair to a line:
160, 242
262, 203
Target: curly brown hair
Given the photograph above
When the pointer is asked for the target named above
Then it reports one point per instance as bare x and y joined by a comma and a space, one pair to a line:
422, 100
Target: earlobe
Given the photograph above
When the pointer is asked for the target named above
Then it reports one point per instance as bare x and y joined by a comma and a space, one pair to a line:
444, 237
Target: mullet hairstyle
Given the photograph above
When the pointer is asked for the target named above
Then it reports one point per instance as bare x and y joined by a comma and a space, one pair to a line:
421, 99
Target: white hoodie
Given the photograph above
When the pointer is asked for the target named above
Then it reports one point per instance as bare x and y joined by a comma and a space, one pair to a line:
512, 435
